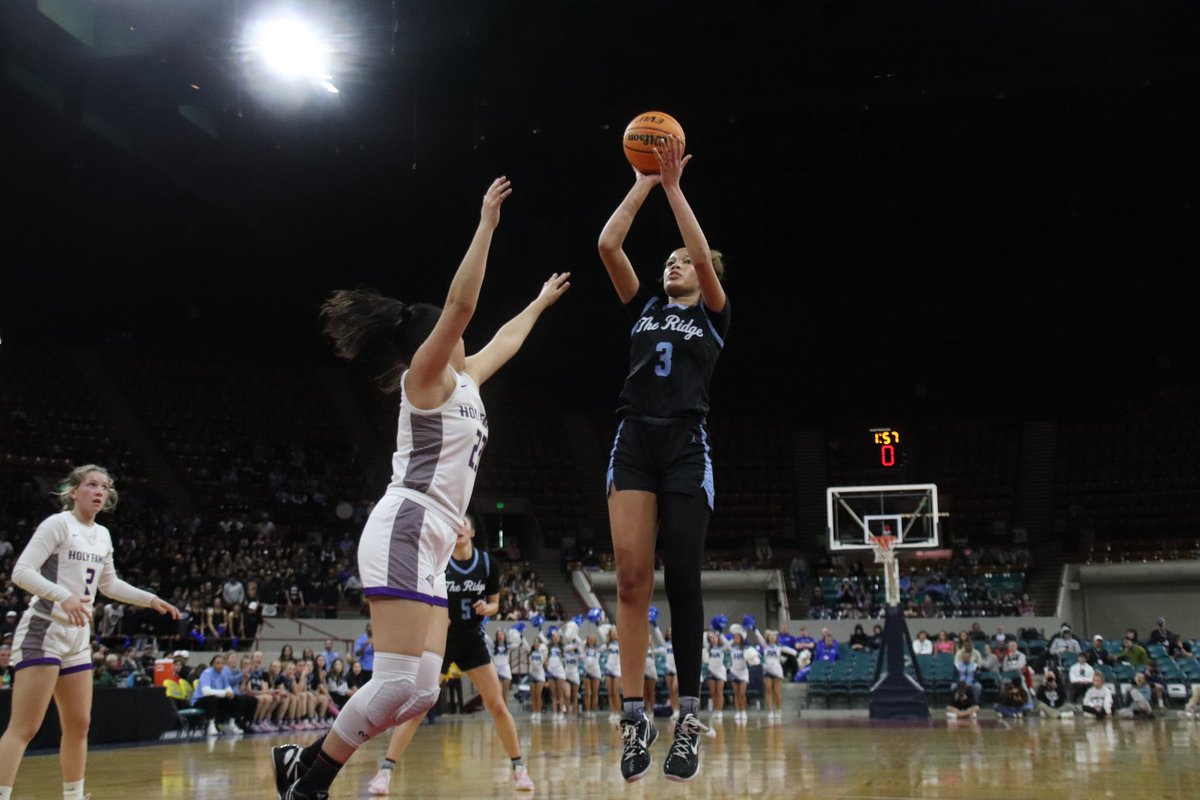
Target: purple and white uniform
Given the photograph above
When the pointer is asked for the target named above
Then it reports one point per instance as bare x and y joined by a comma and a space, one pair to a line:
65, 559
410, 534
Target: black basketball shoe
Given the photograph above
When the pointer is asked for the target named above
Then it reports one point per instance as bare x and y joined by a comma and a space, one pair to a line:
285, 762
683, 761
636, 736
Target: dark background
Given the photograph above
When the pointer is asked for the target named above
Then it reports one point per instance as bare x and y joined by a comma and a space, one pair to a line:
927, 207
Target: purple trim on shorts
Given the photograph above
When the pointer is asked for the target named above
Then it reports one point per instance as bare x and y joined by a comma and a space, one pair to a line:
405, 594
76, 668
34, 662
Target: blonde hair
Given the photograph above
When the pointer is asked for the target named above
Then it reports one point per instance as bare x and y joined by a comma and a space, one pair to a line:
76, 479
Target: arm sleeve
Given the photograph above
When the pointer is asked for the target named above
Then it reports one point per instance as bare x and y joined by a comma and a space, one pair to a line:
27, 573
119, 590
492, 585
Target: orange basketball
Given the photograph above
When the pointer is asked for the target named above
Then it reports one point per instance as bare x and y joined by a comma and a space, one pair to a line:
644, 133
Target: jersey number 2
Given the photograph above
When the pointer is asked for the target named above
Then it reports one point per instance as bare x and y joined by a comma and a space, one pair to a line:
477, 451
87, 584
663, 367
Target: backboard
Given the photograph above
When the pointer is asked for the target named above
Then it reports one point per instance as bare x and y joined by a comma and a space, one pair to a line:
907, 511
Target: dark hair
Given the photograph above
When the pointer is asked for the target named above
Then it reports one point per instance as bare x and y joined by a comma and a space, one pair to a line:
381, 331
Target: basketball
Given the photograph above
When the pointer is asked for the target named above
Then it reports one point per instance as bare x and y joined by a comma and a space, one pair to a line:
643, 133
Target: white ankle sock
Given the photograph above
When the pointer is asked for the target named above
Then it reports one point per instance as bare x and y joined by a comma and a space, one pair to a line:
73, 790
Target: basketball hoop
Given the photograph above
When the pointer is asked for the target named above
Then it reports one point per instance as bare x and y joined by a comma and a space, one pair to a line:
885, 553
883, 547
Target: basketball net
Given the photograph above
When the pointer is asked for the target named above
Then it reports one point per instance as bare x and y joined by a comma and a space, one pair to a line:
885, 553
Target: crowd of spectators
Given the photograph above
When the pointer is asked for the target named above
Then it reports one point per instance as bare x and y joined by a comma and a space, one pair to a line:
523, 596
965, 585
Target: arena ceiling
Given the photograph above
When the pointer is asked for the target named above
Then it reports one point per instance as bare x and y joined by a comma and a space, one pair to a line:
897, 183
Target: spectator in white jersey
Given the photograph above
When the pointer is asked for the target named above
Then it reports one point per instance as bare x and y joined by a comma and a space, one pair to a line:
68, 559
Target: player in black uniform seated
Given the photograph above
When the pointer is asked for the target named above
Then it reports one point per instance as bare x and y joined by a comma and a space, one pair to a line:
472, 594
660, 474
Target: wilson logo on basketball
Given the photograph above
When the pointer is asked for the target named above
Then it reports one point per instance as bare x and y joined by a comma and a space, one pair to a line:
646, 139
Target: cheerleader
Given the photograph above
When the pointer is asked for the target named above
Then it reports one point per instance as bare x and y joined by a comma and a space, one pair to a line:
571, 658
537, 680
612, 672
501, 663
591, 673
556, 672
714, 658
739, 673
773, 654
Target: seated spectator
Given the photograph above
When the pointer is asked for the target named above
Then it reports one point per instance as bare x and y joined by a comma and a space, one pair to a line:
1064, 646
976, 633
827, 649
1139, 699
1178, 649
964, 703
923, 645
858, 639
966, 665
876, 641
1026, 608
990, 661
1098, 702
1157, 683
183, 672
1098, 654
338, 683
805, 646
1134, 654
1160, 634
214, 695
1080, 676
105, 670
1052, 701
943, 643
1014, 659
1014, 700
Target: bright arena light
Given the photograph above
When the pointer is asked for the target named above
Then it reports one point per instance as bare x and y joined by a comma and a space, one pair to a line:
292, 50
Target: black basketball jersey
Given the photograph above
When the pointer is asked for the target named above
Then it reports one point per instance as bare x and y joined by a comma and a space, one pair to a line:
468, 582
673, 350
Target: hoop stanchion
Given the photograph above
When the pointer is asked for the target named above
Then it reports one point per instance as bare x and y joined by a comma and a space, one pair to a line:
885, 553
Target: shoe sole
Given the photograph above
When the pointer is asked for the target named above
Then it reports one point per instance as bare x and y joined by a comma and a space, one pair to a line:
680, 779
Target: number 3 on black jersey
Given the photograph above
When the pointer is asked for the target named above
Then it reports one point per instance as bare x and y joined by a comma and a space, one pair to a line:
663, 367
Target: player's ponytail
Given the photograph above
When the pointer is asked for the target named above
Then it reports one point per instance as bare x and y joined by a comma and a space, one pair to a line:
381, 331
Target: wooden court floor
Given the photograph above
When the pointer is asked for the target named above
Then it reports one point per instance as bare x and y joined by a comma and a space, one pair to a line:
821, 755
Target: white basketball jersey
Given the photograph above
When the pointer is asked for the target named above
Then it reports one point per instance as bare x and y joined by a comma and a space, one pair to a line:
73, 556
438, 451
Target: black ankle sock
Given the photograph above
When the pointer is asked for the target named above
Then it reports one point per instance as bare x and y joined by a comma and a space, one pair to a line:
319, 776
309, 754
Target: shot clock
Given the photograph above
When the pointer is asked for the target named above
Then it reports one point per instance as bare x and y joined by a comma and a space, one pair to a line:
885, 444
